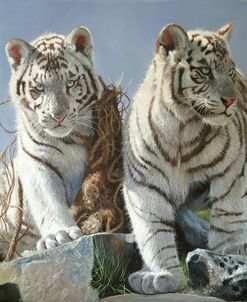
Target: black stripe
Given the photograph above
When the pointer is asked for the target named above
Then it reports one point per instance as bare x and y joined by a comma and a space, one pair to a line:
95, 89
26, 104
161, 193
202, 145
91, 99
169, 224
39, 143
134, 160
154, 233
220, 230
222, 212
217, 199
172, 266
146, 145
144, 160
180, 75
213, 248
155, 136
132, 167
170, 246
198, 137
19, 81
217, 159
226, 170
23, 87
44, 162
239, 221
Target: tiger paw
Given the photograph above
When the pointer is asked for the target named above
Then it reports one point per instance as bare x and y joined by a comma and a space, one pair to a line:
61, 237
147, 282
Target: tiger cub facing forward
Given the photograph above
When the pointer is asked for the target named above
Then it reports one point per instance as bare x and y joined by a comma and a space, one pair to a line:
187, 124
54, 87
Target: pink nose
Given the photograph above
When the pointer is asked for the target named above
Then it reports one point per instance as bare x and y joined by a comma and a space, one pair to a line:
228, 101
58, 118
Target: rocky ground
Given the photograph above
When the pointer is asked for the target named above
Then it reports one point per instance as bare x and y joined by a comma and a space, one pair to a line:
97, 266
161, 298
223, 276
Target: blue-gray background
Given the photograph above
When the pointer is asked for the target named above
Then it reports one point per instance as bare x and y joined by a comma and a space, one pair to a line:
124, 33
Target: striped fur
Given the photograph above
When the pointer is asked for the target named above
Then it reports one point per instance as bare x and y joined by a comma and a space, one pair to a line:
182, 128
54, 88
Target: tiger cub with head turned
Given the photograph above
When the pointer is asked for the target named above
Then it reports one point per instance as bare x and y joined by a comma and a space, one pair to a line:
187, 124
54, 87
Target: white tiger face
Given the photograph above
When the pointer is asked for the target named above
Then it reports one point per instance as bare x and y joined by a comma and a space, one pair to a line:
53, 81
202, 71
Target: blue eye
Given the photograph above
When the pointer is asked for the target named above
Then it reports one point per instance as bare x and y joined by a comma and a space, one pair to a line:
70, 83
205, 70
40, 88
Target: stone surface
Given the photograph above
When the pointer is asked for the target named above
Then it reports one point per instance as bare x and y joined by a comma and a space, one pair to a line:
223, 276
64, 273
161, 298
59, 274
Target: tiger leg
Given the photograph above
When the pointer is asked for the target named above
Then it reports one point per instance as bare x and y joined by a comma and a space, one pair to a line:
153, 226
195, 229
229, 223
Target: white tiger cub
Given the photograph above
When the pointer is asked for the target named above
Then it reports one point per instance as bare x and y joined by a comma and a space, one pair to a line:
53, 87
187, 124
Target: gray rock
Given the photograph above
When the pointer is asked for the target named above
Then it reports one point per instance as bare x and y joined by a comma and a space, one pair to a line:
64, 273
161, 298
223, 276
59, 274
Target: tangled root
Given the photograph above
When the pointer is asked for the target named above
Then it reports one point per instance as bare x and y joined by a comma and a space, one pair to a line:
99, 205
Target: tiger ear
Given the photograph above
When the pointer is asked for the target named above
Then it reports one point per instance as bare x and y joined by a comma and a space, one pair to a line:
80, 38
172, 37
225, 32
17, 52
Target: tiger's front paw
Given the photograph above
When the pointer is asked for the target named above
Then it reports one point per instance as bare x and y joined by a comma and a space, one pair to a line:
61, 237
147, 282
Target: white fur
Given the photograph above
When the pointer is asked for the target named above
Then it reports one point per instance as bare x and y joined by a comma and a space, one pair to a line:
176, 124
51, 171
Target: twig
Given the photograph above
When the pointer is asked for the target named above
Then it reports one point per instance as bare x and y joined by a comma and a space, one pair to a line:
6, 130
14, 240
7, 100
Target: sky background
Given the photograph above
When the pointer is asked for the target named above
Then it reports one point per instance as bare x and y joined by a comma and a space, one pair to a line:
124, 33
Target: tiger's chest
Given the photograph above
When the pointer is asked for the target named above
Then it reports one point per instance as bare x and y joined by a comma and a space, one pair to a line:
71, 164
208, 150
73, 170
